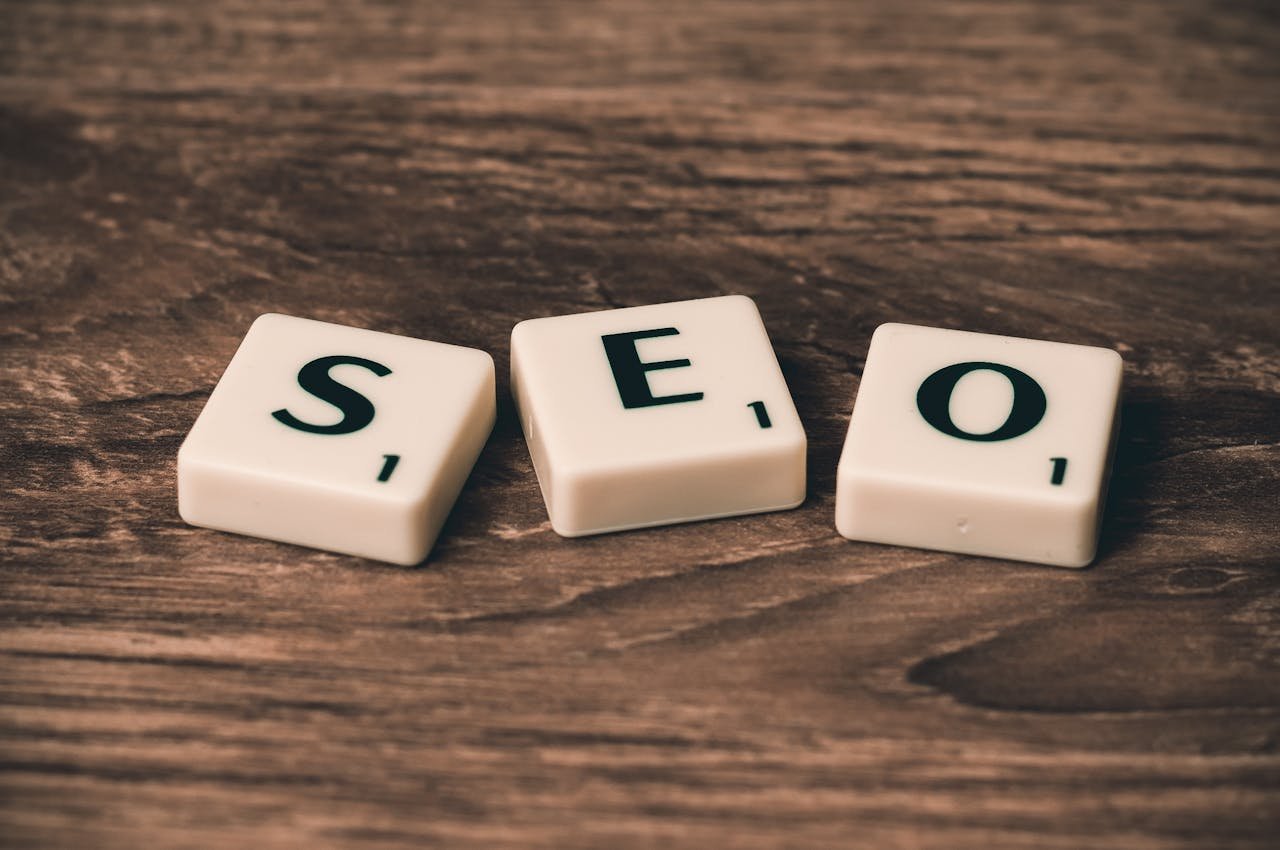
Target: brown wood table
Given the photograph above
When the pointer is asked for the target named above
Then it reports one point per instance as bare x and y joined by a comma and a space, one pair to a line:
1092, 172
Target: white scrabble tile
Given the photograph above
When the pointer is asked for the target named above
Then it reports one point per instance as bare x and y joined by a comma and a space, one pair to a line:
659, 414
981, 444
338, 438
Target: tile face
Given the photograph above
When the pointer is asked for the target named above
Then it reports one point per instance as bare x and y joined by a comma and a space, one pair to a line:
981, 444
654, 415
338, 438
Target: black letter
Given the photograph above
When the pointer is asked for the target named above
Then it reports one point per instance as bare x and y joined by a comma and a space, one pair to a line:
628, 371
1029, 403
357, 411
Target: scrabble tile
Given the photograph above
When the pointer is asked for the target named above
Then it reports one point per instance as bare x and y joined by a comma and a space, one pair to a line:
981, 444
337, 438
659, 414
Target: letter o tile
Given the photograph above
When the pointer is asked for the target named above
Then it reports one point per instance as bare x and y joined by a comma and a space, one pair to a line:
1028, 484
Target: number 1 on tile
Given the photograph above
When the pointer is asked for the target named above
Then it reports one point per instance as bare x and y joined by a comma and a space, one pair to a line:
388, 466
762, 415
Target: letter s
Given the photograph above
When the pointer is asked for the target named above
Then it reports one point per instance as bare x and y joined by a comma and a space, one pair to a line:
357, 411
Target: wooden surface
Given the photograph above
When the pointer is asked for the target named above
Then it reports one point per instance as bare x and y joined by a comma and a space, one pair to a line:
1102, 173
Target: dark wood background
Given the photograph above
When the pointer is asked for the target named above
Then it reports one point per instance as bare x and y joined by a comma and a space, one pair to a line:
1093, 172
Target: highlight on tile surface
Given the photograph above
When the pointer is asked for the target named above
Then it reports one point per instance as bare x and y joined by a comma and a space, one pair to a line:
338, 438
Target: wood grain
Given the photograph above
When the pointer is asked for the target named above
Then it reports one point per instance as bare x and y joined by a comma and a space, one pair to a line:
1081, 171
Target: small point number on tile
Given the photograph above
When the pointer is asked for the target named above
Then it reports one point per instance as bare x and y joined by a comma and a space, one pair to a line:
934, 401
762, 415
388, 466
357, 411
629, 370
1059, 471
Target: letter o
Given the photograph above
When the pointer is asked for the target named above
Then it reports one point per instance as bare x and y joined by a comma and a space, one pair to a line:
1029, 403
